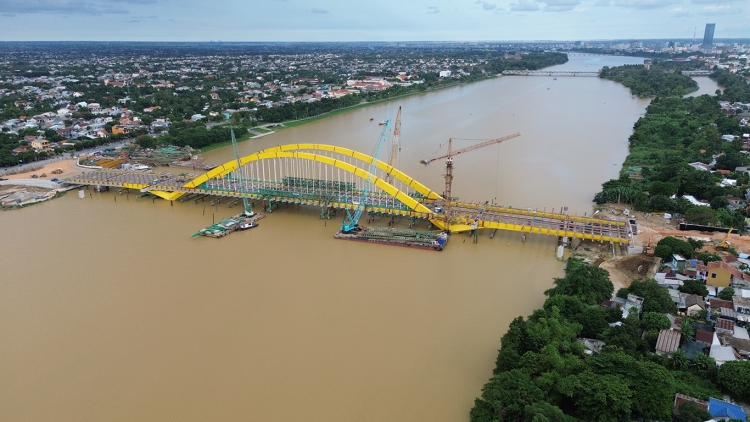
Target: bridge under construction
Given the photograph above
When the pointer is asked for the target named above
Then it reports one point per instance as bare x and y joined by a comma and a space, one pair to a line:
336, 178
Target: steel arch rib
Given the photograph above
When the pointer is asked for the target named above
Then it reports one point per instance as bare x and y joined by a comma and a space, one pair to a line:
396, 173
230, 166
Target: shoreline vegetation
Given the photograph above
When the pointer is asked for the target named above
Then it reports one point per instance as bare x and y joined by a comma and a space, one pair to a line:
575, 359
287, 115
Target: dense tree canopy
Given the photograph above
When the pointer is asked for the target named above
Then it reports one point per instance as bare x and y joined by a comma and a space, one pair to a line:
650, 82
589, 283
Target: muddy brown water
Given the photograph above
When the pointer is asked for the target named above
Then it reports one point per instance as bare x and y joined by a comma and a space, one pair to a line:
109, 311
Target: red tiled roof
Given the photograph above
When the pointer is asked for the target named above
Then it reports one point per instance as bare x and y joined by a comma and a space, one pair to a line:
718, 303
704, 336
725, 324
728, 268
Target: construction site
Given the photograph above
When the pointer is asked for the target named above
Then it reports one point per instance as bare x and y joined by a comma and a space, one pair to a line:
338, 179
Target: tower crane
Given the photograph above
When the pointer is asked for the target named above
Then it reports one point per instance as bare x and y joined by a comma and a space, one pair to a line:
395, 144
351, 219
449, 168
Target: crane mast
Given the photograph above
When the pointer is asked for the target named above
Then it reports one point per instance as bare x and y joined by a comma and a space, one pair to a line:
395, 144
351, 219
449, 169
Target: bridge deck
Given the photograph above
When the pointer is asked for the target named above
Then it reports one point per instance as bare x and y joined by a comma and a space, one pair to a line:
343, 197
550, 73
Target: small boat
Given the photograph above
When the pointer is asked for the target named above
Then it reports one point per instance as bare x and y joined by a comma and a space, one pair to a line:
245, 226
371, 119
382, 123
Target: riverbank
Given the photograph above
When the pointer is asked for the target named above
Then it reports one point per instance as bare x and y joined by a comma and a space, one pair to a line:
68, 167
294, 123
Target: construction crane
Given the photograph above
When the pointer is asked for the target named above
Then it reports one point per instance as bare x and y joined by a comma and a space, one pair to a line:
351, 219
724, 244
395, 144
449, 168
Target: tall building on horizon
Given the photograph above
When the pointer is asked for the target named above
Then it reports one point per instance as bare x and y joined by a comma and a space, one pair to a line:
708, 36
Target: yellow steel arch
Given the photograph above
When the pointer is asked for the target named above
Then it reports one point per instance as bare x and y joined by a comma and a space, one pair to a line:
396, 173
230, 166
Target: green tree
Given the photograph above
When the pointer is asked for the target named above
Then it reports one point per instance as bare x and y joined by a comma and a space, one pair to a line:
726, 294
507, 395
695, 287
678, 359
588, 283
687, 330
663, 252
719, 202
598, 397
707, 257
676, 246
655, 297
654, 321
700, 215
691, 412
543, 411
735, 377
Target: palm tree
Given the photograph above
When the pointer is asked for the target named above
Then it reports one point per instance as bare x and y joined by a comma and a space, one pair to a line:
678, 360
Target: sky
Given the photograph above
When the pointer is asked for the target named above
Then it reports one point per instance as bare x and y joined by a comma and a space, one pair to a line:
383, 20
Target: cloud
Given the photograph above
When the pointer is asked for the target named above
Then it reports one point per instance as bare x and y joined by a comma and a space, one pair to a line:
524, 6
433, 9
9, 15
72, 7
678, 12
719, 9
644, 4
486, 6
713, 1
602, 3
134, 1
319, 10
560, 5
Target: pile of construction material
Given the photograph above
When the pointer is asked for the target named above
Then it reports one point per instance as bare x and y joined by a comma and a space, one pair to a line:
19, 196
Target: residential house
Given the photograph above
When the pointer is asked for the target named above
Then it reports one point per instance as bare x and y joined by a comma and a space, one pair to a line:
678, 263
717, 304
704, 336
694, 304
40, 145
724, 326
591, 345
680, 399
741, 308
120, 130
721, 353
723, 411
627, 304
668, 342
700, 166
721, 274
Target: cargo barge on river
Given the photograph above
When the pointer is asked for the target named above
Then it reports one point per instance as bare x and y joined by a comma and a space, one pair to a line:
432, 240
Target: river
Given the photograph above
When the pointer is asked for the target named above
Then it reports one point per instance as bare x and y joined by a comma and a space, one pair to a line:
111, 312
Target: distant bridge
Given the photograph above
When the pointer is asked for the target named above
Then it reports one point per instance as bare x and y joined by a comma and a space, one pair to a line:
549, 73
332, 177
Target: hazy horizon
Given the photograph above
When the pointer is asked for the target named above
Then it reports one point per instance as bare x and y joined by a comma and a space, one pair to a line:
386, 21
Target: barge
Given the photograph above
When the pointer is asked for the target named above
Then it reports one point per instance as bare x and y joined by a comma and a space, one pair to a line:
229, 225
433, 240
